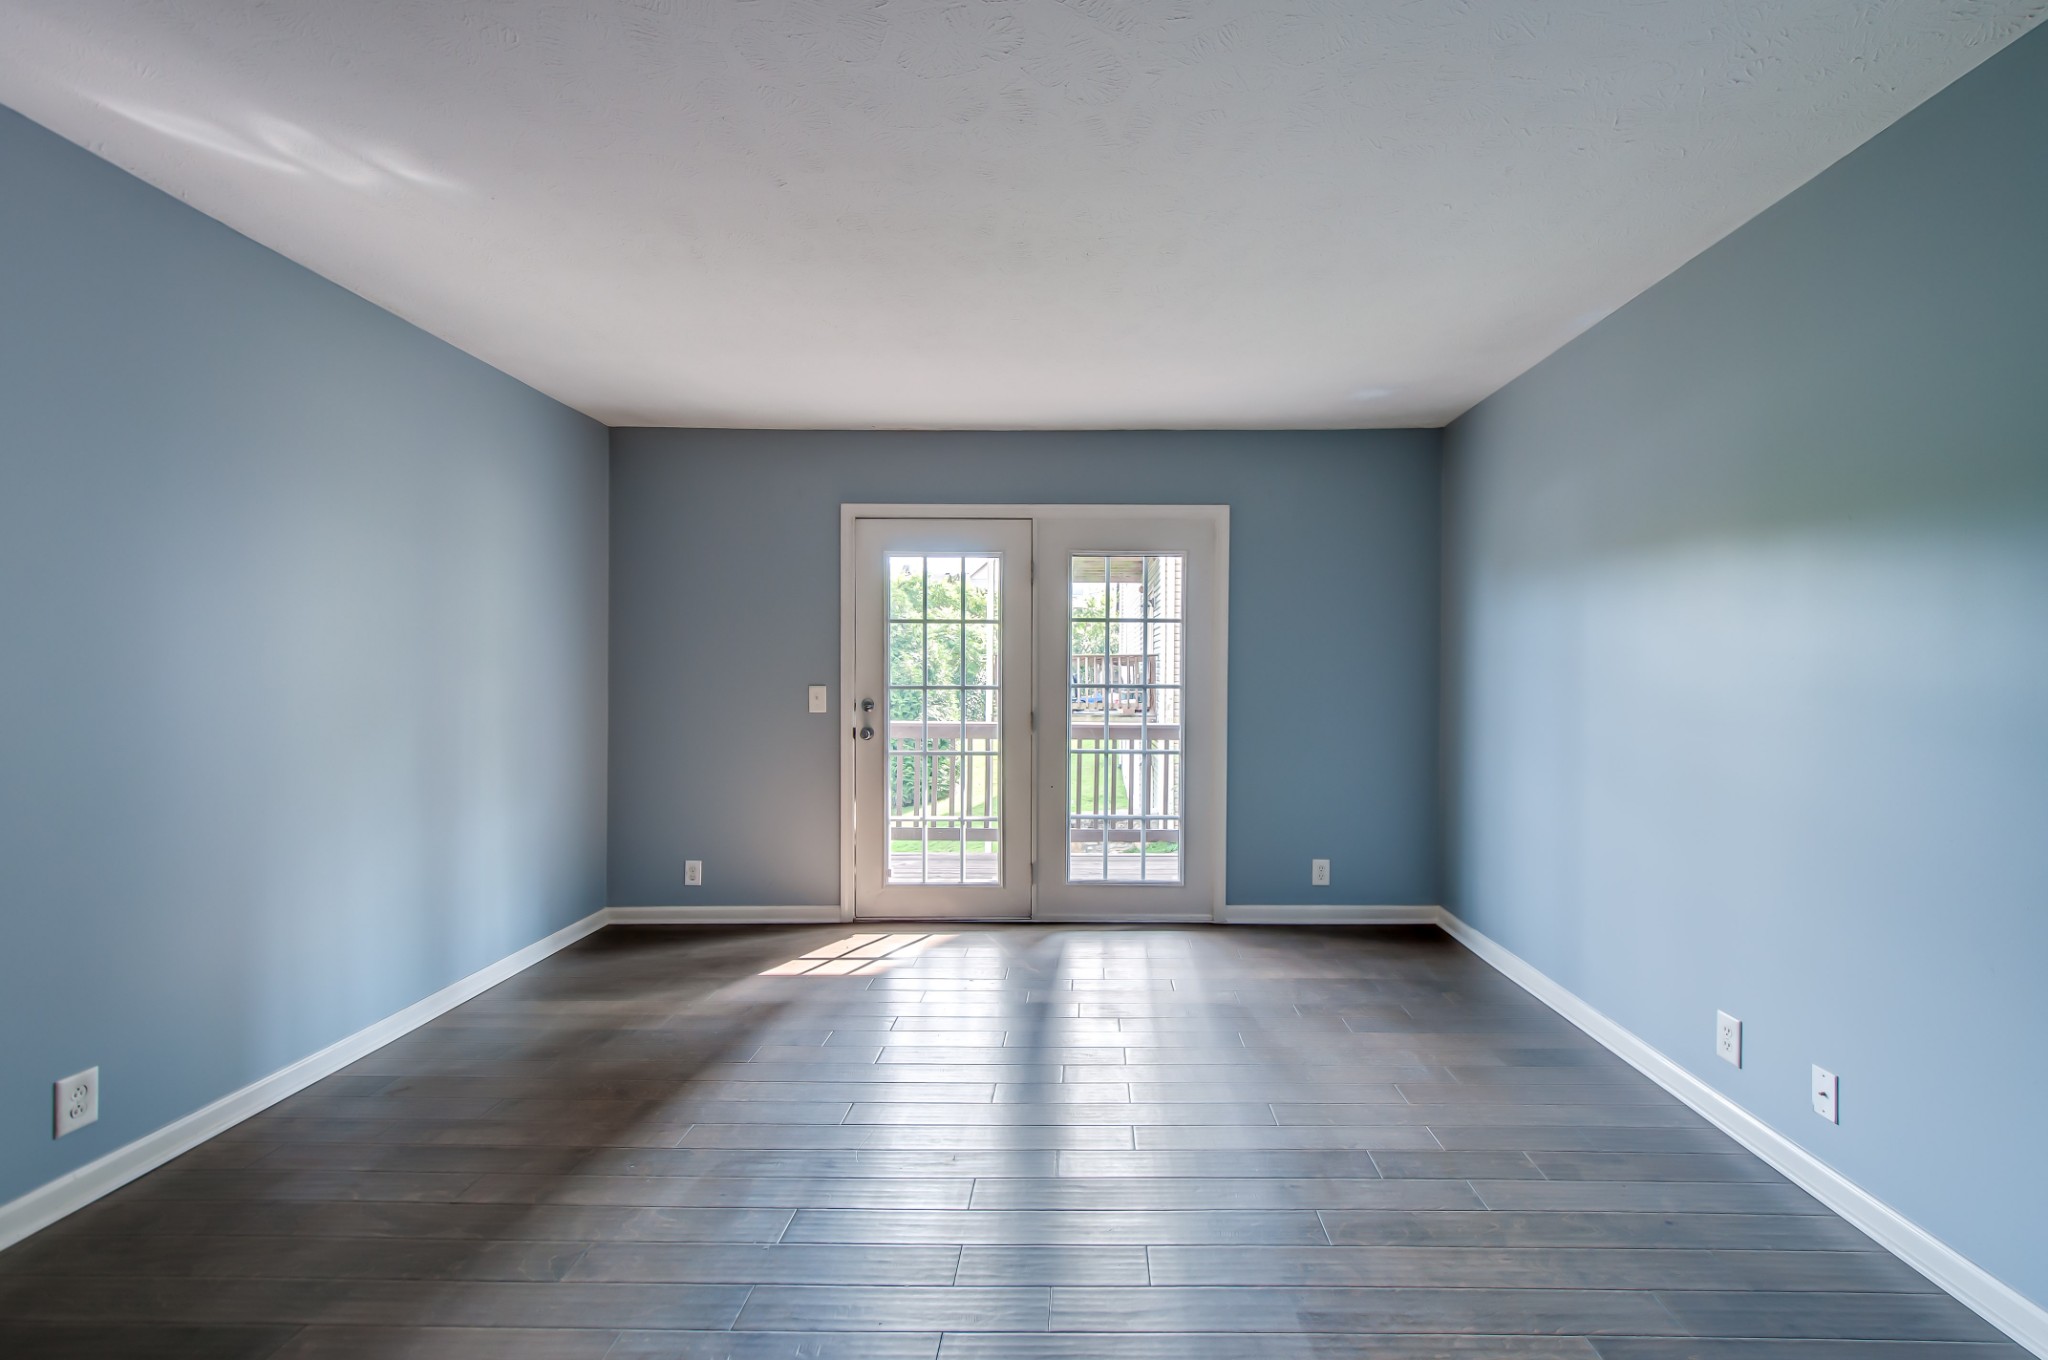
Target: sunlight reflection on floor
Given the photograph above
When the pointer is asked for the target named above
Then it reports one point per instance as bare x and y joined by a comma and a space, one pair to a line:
861, 954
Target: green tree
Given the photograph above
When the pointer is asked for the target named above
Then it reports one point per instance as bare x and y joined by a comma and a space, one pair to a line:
941, 646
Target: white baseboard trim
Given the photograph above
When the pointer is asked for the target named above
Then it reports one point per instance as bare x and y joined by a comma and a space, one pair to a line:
1329, 914
723, 916
1998, 1303
1316, 914
75, 1189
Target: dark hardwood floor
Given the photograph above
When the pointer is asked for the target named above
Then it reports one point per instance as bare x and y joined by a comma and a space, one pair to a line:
1000, 1143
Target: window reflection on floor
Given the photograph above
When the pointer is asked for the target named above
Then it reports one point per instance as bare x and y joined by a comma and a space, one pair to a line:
856, 954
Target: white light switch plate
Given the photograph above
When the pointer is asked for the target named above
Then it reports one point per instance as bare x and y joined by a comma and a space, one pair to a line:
693, 873
1728, 1038
77, 1101
817, 698
1827, 1095
1319, 873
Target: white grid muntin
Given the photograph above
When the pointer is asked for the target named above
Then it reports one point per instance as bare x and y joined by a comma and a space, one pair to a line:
962, 752
1145, 758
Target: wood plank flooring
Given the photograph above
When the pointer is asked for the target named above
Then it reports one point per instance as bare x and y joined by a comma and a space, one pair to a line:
990, 1143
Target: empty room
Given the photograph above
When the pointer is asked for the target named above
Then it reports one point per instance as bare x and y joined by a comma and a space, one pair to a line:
1023, 679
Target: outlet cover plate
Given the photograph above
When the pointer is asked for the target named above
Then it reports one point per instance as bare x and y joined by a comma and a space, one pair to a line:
693, 873
1319, 873
817, 699
1728, 1038
1827, 1091
77, 1101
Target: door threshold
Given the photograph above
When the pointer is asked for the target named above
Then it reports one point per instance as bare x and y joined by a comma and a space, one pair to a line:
942, 920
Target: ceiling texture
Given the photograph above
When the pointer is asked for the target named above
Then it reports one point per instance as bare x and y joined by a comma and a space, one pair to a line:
991, 214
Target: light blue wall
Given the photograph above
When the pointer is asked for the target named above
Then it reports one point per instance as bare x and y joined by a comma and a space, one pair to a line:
725, 604
1747, 663
302, 634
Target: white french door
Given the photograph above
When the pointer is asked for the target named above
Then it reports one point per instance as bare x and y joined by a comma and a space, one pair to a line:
1036, 699
941, 727
1130, 691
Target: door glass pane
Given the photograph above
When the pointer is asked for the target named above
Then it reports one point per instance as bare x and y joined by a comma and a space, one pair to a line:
1126, 670
945, 741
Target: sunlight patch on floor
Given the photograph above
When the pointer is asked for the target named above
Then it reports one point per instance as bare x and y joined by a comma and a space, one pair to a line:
856, 954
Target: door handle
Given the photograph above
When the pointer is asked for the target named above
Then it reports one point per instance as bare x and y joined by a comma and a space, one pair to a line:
867, 733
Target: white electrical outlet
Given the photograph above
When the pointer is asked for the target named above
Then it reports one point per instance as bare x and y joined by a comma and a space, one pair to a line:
1827, 1091
693, 873
1319, 873
1728, 1038
77, 1101
817, 699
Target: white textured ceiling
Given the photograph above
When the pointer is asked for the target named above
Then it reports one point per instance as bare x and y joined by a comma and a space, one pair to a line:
991, 213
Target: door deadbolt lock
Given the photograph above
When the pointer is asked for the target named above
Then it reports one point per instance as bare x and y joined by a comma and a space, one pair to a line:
867, 705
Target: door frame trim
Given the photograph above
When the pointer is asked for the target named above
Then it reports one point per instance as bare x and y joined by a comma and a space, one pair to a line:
1218, 660
1012, 537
